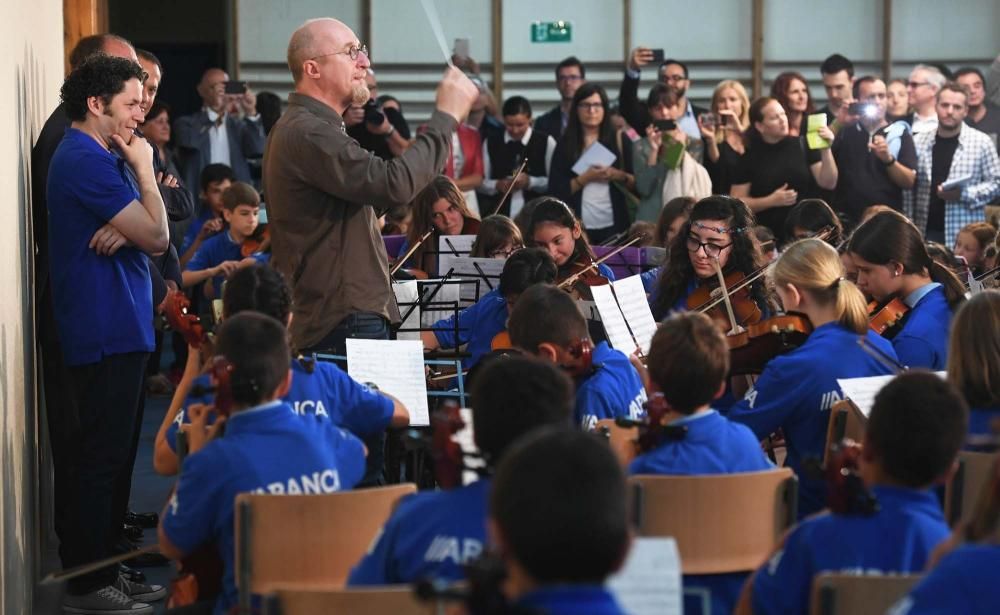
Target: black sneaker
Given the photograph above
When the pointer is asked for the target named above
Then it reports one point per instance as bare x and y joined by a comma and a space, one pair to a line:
131, 574
105, 601
140, 591
147, 520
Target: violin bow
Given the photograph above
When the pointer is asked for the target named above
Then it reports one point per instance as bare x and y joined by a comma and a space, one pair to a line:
510, 188
876, 353
416, 246
725, 296
750, 279
65, 575
593, 266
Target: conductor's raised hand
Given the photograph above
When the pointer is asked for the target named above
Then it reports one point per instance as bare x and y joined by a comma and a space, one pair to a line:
455, 94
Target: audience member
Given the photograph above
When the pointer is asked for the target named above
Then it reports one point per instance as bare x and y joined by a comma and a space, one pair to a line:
269, 107
897, 102
778, 169
792, 93
953, 151
378, 126
924, 84
983, 115
671, 73
465, 163
504, 155
570, 75
227, 130
876, 161
723, 136
838, 78
599, 195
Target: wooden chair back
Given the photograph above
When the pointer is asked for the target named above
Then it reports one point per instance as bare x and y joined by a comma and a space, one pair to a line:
623, 440
843, 594
722, 523
964, 487
388, 600
846, 421
307, 539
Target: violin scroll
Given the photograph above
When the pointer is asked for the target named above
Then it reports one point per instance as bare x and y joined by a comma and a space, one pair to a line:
847, 493
176, 309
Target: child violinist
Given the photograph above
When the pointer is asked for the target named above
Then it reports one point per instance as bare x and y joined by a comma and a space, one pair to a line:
971, 243
317, 387
555, 228
914, 432
718, 233
892, 262
441, 209
432, 534
811, 218
796, 390
546, 322
974, 359
498, 237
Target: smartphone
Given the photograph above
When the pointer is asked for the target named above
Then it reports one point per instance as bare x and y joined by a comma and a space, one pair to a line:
657, 55
235, 87
462, 47
707, 120
855, 108
664, 125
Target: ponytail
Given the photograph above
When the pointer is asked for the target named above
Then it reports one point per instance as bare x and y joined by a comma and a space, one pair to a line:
851, 307
814, 267
954, 290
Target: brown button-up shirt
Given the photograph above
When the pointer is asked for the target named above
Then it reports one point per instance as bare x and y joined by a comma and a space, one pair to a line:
322, 189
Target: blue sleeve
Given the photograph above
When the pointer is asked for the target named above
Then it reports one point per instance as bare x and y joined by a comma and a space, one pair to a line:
783, 583
772, 399
468, 319
350, 454
606, 271
262, 257
914, 351
364, 411
182, 417
204, 257
100, 187
192, 233
592, 406
378, 566
192, 510
402, 250
941, 592
649, 279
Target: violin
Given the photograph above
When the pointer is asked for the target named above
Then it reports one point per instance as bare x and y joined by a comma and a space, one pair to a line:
883, 318
259, 241
177, 311
583, 355
501, 341
847, 493
652, 431
758, 343
580, 275
710, 299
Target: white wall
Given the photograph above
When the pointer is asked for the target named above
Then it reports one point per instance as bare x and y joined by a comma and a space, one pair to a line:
263, 27
31, 43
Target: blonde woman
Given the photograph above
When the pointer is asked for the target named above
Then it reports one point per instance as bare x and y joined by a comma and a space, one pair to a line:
722, 132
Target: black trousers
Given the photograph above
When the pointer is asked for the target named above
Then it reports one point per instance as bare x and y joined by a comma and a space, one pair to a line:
360, 325
108, 396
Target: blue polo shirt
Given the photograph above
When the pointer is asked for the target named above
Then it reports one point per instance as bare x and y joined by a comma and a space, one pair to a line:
612, 390
922, 341
477, 325
204, 215
103, 304
897, 539
570, 600
216, 250
326, 391
429, 535
267, 449
712, 445
964, 581
797, 389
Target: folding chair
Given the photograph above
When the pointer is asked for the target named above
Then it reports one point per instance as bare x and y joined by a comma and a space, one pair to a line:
844, 594
722, 523
308, 540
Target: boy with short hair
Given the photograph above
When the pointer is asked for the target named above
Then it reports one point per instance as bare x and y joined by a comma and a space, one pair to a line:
267, 449
504, 153
432, 534
560, 537
221, 255
688, 364
547, 323
214, 181
916, 427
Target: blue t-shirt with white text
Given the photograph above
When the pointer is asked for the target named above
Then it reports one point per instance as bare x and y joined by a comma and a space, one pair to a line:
613, 389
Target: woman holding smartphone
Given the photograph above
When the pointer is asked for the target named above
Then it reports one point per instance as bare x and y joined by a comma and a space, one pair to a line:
722, 131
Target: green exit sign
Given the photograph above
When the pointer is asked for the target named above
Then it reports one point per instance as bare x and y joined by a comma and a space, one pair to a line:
551, 32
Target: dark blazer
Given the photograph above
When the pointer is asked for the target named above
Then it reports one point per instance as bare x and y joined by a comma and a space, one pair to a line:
550, 122
190, 135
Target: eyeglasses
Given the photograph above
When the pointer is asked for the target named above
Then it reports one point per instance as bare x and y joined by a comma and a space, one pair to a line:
916, 84
712, 250
591, 106
354, 51
504, 252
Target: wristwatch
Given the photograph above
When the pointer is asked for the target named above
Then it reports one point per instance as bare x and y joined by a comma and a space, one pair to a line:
892, 161
392, 129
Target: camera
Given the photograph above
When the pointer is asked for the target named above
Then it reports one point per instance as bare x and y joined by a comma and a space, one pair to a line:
235, 87
373, 113
866, 109
664, 125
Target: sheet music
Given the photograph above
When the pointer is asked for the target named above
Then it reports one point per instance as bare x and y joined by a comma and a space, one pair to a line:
650, 581
612, 319
406, 293
466, 441
595, 155
396, 367
442, 304
468, 268
862, 391
635, 308
450, 244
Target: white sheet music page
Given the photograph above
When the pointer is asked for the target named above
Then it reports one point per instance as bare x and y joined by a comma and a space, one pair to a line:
396, 367
862, 391
456, 245
635, 308
438, 301
486, 271
406, 298
466, 441
650, 581
612, 319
